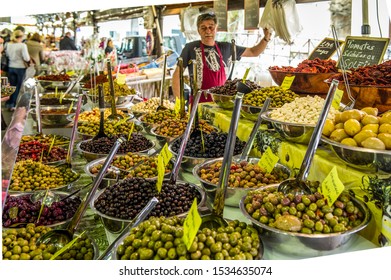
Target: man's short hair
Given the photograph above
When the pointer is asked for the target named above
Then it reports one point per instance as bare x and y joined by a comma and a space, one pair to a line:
206, 16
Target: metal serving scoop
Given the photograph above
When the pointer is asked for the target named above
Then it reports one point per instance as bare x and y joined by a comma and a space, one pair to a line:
60, 237
101, 133
114, 115
299, 185
249, 144
215, 219
161, 107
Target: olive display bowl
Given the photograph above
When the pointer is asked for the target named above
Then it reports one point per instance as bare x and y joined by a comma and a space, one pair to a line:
115, 225
119, 100
233, 195
284, 241
84, 136
60, 194
293, 132
112, 171
304, 83
52, 85
53, 115
46, 139
7, 90
114, 256
53, 99
71, 117
147, 126
160, 138
89, 156
366, 159
223, 101
58, 188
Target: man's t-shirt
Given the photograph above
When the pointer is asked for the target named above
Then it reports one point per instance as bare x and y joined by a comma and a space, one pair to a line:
192, 51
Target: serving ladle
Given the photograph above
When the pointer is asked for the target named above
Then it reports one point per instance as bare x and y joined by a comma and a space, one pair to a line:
215, 219
60, 237
299, 184
161, 106
101, 133
249, 143
114, 115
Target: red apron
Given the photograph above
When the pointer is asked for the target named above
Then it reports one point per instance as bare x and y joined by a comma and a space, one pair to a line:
211, 78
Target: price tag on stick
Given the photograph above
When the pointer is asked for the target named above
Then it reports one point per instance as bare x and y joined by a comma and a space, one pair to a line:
337, 98
160, 173
177, 107
332, 187
191, 225
166, 154
268, 160
287, 82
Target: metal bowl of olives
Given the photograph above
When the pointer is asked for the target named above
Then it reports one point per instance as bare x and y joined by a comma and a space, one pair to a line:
234, 194
57, 214
119, 100
84, 248
53, 115
52, 85
90, 156
293, 132
212, 243
115, 173
361, 158
223, 101
87, 130
322, 229
135, 193
59, 140
57, 98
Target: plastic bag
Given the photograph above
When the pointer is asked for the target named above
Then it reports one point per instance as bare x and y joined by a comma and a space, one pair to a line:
281, 17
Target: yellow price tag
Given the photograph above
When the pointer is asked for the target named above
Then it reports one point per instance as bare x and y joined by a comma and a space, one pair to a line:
332, 186
131, 131
160, 172
165, 154
71, 73
287, 82
121, 79
191, 225
337, 98
177, 107
268, 160
66, 247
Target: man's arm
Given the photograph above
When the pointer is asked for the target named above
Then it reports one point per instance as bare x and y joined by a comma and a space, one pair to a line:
260, 47
176, 83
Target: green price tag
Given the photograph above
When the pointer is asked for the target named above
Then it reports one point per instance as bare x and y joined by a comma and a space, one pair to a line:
160, 172
191, 225
66, 247
337, 98
121, 79
188, 117
71, 73
268, 160
177, 107
287, 82
165, 154
70, 108
332, 187
131, 131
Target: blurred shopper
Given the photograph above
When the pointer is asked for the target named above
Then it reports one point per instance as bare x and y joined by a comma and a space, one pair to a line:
18, 56
111, 52
67, 43
35, 49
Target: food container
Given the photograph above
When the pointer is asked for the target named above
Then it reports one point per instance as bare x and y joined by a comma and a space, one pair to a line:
94, 128
59, 140
233, 195
53, 115
57, 98
280, 240
369, 160
368, 96
304, 83
223, 101
114, 225
89, 156
120, 250
52, 85
59, 194
293, 132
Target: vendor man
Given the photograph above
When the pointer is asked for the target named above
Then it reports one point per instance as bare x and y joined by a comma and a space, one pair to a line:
212, 56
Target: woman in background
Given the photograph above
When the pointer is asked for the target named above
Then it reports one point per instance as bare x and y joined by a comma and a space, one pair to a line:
18, 56
35, 49
111, 52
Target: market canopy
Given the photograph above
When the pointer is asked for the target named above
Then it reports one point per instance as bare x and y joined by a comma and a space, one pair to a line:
28, 7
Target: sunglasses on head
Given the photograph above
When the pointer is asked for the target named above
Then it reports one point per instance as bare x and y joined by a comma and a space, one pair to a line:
206, 16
